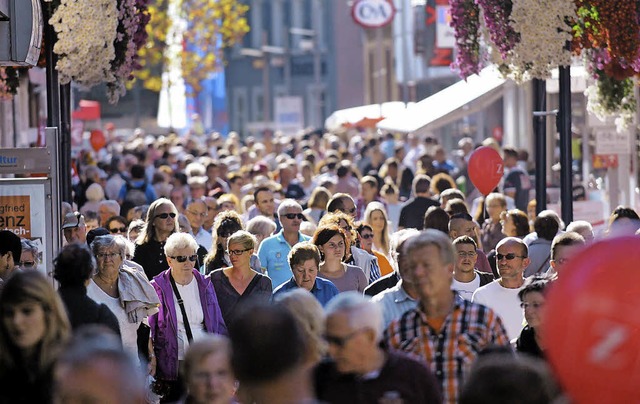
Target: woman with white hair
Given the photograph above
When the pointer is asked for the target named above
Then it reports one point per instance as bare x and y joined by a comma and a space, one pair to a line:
189, 310
95, 195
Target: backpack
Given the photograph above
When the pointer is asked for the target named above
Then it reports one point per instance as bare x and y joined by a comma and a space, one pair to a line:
135, 196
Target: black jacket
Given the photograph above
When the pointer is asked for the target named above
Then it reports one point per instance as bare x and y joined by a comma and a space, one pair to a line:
82, 310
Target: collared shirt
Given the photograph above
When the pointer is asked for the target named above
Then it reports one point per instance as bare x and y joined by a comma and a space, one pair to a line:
394, 302
450, 351
323, 290
204, 238
273, 254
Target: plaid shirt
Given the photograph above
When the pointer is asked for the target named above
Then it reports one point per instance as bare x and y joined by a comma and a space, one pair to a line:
467, 330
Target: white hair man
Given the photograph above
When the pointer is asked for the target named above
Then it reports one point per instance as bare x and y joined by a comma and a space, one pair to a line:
360, 370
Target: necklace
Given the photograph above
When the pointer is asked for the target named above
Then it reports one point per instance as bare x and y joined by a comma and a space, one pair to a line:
106, 283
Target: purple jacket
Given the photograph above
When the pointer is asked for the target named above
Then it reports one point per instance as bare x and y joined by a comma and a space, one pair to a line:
164, 324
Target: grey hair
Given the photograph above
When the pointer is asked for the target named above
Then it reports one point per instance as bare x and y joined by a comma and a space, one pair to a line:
107, 241
261, 225
427, 238
395, 244
112, 205
361, 311
179, 241
29, 246
286, 204
579, 226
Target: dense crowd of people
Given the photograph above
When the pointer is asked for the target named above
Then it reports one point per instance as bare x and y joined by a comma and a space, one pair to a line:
309, 268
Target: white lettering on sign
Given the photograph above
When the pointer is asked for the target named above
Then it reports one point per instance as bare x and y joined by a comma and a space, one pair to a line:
373, 13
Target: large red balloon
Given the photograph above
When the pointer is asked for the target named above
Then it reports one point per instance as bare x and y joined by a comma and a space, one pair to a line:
591, 324
97, 139
485, 168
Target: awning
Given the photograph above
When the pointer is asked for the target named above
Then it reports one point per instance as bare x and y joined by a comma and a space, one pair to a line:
350, 116
449, 105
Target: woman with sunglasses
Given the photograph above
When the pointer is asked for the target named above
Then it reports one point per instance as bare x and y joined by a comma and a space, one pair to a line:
117, 225
161, 222
239, 283
188, 311
365, 241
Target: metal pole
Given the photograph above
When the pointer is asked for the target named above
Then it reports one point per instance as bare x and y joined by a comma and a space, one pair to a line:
540, 132
379, 98
53, 96
564, 126
287, 61
65, 142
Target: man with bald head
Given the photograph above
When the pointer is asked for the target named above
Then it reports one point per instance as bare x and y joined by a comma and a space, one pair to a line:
501, 295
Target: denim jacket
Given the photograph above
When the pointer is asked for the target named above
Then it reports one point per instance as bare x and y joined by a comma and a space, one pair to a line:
164, 324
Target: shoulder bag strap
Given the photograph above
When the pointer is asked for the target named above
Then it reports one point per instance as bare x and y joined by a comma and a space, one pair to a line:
185, 319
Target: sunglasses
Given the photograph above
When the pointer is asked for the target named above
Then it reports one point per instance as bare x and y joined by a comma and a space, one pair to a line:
367, 236
165, 215
226, 234
509, 256
184, 258
292, 216
27, 264
114, 230
350, 211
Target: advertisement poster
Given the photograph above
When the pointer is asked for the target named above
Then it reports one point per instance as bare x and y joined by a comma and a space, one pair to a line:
22, 211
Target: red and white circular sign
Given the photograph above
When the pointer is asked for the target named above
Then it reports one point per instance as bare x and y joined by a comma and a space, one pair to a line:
373, 13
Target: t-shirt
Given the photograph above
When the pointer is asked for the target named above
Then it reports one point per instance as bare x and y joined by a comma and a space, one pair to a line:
353, 279
517, 180
466, 289
505, 302
193, 307
128, 331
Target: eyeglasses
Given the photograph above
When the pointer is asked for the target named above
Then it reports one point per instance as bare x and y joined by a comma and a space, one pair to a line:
203, 214
532, 305
367, 236
341, 341
27, 264
107, 255
292, 216
237, 252
509, 256
467, 254
184, 258
165, 215
114, 230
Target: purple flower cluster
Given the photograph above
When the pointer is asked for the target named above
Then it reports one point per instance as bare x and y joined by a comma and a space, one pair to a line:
465, 20
496, 15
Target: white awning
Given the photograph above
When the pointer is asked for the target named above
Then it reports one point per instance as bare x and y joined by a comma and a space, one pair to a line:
449, 105
353, 115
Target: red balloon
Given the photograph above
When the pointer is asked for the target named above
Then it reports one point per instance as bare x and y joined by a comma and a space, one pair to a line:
485, 168
97, 139
591, 326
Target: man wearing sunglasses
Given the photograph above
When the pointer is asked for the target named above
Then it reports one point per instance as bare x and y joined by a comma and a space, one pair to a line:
360, 371
501, 295
274, 250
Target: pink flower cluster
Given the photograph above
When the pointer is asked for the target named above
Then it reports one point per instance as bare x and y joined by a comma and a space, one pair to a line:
496, 15
465, 20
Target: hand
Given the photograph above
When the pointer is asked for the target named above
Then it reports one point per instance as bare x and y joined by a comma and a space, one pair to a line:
151, 367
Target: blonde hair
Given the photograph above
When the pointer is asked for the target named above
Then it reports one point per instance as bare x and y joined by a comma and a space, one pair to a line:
309, 315
368, 212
